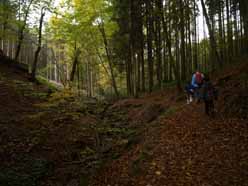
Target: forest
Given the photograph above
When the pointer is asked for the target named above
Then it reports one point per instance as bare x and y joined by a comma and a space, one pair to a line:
121, 48
96, 92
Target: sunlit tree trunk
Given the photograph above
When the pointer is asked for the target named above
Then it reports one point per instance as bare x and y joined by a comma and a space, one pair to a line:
21, 30
37, 52
211, 33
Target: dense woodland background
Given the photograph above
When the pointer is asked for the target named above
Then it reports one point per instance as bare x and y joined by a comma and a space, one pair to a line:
117, 48
108, 49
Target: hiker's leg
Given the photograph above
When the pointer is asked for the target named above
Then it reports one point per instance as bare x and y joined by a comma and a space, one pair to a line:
200, 96
207, 107
212, 106
196, 94
188, 98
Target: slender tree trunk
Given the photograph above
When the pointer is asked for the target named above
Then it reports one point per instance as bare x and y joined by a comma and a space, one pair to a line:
244, 14
236, 33
229, 31
182, 34
149, 42
4, 27
158, 42
75, 61
142, 63
189, 53
140, 47
220, 31
211, 33
195, 65
225, 48
21, 31
102, 31
172, 61
34, 67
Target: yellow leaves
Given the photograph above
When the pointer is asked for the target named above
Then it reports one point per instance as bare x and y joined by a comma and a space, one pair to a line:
156, 168
60, 95
158, 173
153, 163
123, 142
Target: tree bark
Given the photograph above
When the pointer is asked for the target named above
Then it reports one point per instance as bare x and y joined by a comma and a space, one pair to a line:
211, 33
229, 31
21, 31
149, 42
172, 61
158, 42
74, 64
102, 31
36, 56
182, 34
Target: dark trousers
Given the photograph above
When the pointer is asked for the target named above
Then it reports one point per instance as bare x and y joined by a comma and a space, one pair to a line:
209, 107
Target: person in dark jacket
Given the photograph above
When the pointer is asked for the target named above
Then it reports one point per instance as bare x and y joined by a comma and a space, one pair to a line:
209, 95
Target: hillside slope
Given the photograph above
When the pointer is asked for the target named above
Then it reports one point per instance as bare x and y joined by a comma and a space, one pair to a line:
189, 148
61, 139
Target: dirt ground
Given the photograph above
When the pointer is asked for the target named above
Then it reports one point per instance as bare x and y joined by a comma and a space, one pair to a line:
60, 139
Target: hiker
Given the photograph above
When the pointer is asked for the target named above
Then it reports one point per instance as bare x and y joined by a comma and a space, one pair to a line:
189, 89
197, 81
209, 95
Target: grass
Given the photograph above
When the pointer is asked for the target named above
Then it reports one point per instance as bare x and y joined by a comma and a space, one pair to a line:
44, 81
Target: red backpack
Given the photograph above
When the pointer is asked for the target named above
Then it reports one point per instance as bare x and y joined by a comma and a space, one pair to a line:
198, 78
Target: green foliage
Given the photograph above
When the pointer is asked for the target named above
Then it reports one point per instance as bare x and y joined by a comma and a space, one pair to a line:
52, 87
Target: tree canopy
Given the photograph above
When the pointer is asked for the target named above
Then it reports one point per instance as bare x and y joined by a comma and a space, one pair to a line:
113, 47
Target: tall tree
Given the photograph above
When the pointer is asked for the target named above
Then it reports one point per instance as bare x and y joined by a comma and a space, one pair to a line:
34, 67
211, 33
26, 6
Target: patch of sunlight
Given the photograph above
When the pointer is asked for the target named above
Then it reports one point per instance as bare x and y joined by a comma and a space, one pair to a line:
36, 116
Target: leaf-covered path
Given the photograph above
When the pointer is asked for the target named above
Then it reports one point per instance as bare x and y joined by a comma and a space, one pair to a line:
186, 149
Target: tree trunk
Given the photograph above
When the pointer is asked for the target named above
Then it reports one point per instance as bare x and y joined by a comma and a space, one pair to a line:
182, 34
34, 67
221, 43
244, 14
102, 31
172, 61
229, 31
75, 62
21, 31
149, 42
195, 65
158, 42
211, 34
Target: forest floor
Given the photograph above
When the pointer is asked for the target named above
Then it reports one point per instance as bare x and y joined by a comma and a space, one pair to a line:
62, 139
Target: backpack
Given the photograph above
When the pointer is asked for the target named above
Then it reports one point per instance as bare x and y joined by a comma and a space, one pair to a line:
198, 78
